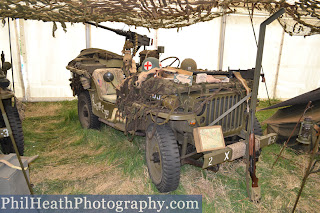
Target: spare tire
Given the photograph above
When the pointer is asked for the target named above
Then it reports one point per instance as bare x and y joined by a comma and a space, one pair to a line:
16, 127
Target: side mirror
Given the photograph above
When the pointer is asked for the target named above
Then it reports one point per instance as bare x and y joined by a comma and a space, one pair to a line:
108, 77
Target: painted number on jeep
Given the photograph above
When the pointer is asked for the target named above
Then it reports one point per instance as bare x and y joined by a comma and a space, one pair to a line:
4, 132
156, 97
226, 154
272, 140
210, 161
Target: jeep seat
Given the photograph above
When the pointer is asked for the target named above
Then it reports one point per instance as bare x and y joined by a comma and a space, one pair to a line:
105, 89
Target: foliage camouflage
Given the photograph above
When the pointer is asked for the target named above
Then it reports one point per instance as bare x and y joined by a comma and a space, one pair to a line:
302, 16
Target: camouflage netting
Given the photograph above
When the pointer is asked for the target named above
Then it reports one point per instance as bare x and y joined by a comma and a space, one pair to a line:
139, 104
302, 17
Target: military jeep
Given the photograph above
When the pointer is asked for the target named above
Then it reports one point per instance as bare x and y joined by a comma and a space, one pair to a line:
114, 90
10, 122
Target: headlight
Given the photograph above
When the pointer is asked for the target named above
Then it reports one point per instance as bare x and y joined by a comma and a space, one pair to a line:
170, 102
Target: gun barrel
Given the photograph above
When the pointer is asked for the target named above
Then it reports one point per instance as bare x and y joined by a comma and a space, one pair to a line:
142, 40
212, 72
119, 32
246, 74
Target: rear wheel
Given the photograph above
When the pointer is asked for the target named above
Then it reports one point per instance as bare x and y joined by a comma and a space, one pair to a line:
16, 127
162, 156
87, 119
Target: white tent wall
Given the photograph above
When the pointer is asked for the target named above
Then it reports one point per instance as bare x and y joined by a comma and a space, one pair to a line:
44, 58
298, 57
40, 59
241, 49
47, 58
299, 67
199, 42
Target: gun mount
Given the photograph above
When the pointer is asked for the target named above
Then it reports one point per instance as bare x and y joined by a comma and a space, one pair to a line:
137, 39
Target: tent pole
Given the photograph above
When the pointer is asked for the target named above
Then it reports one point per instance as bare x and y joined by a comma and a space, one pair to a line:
88, 35
222, 39
278, 66
19, 57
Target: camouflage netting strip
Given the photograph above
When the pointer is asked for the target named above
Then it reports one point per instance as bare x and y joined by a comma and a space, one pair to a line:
304, 15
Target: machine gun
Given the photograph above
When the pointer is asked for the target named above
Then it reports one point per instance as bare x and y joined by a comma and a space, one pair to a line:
136, 39
246, 74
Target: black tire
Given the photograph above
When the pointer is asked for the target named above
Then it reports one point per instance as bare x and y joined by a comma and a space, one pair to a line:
162, 156
16, 127
257, 130
86, 117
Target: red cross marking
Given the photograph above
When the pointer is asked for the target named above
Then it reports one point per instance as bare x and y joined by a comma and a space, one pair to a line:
148, 65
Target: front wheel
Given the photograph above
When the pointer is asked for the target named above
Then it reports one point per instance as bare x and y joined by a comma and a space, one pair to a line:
87, 119
162, 156
16, 127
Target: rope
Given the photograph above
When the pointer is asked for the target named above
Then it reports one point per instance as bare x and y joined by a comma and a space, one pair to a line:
11, 165
255, 39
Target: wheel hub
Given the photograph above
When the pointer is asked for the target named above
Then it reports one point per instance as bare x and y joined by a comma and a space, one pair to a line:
84, 114
156, 157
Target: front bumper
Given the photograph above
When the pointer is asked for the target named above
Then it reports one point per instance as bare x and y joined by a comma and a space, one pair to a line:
236, 150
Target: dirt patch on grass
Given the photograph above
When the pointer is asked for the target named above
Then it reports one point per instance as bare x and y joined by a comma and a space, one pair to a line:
62, 155
38, 110
68, 172
93, 179
209, 187
115, 182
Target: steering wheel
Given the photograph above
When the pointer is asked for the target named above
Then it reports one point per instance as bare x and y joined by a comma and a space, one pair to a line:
176, 59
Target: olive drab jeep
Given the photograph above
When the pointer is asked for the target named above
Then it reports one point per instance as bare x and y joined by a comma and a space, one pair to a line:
166, 105
10, 123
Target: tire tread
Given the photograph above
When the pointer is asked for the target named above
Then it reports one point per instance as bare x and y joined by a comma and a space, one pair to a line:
16, 127
257, 127
94, 122
170, 158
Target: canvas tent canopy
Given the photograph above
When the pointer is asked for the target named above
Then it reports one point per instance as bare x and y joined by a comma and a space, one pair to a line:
285, 119
302, 16
304, 98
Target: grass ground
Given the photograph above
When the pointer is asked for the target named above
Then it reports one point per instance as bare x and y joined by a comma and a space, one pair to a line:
77, 161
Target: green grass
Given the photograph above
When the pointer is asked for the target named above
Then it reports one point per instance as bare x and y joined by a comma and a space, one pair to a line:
265, 114
73, 160
68, 126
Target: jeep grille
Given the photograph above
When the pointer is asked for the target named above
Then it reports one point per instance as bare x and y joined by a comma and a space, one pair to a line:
233, 122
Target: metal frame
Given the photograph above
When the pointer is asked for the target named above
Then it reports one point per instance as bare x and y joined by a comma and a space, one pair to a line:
257, 70
254, 193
